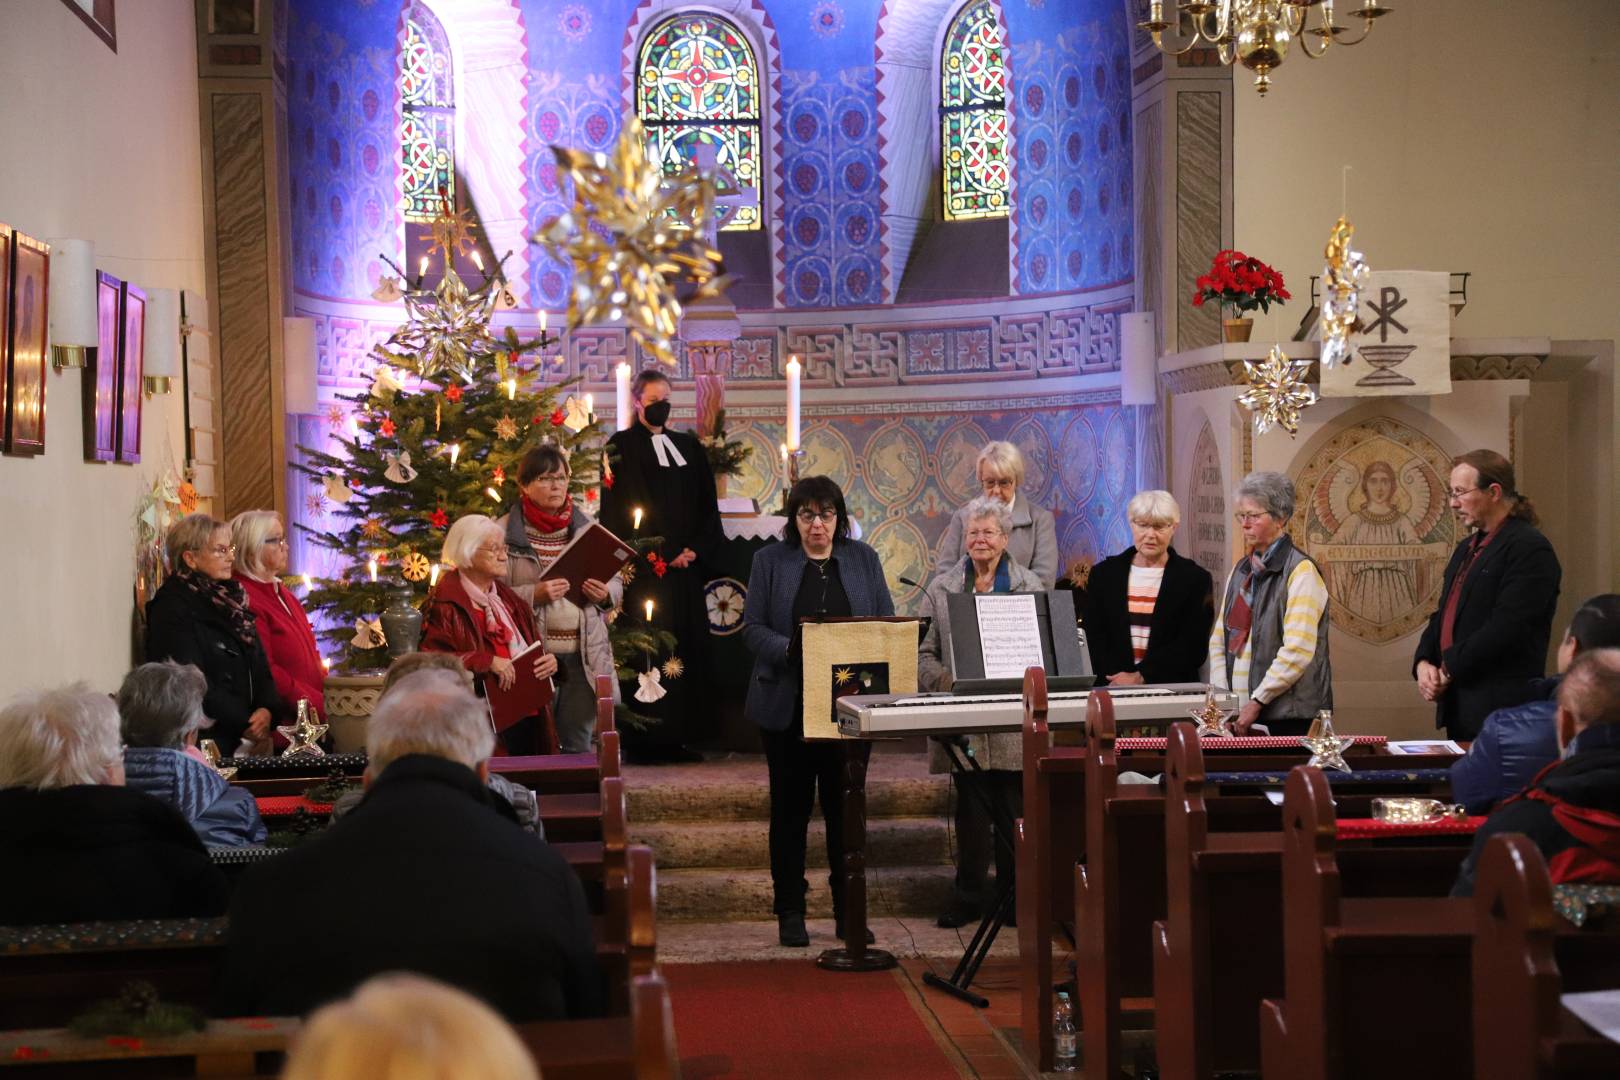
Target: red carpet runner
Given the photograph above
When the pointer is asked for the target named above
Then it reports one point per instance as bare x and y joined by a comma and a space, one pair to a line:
792, 1021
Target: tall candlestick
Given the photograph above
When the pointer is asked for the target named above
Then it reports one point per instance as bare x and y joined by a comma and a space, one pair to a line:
621, 400
635, 517
793, 403
649, 610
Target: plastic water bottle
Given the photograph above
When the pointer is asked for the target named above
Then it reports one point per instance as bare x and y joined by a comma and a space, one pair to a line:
1064, 1035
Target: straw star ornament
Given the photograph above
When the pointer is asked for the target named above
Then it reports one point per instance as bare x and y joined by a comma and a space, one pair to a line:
1277, 391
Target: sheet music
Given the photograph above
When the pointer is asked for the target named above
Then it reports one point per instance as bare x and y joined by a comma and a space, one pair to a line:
1009, 635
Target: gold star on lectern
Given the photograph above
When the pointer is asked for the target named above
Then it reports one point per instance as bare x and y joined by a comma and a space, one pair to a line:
842, 675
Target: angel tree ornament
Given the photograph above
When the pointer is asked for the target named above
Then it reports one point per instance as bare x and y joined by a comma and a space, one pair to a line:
650, 690
368, 634
1343, 278
399, 469
336, 490
1277, 391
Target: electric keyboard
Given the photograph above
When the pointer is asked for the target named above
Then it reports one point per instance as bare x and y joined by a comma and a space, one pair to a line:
870, 715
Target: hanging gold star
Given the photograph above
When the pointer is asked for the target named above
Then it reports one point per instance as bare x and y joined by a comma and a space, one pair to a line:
506, 428
447, 330
674, 668
630, 236
1277, 391
450, 231
374, 529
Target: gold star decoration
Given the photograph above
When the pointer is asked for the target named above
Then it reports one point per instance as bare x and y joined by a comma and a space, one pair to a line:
334, 416
1211, 716
451, 231
1327, 749
374, 529
674, 668
415, 566
627, 572
506, 428
842, 676
631, 235
301, 736
447, 330
1277, 391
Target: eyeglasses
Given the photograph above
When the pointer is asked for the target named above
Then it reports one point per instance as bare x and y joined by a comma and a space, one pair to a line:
1246, 519
223, 551
1154, 526
276, 541
810, 517
985, 534
998, 483
551, 478
1457, 493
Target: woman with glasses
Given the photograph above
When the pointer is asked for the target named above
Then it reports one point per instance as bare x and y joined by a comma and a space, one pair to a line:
474, 614
1148, 610
289, 642
988, 568
1270, 639
200, 616
537, 530
1032, 539
816, 570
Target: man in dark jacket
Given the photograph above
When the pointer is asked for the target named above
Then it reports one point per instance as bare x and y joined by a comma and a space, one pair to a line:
1572, 810
425, 875
1488, 638
1517, 743
77, 844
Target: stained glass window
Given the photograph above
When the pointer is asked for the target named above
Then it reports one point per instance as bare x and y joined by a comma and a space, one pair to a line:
973, 115
697, 83
427, 130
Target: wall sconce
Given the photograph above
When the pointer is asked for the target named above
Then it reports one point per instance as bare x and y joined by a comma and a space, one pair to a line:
298, 358
1138, 359
72, 295
162, 340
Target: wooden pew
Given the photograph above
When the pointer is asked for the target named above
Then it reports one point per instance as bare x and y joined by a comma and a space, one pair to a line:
1218, 951
1525, 955
1374, 986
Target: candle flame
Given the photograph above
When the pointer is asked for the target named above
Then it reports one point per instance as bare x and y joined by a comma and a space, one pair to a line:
371, 565
492, 493
636, 517
511, 389
478, 260
421, 266
308, 584
455, 452
326, 662
433, 575
649, 610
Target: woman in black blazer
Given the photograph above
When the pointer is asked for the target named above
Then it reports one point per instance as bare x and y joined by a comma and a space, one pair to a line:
200, 616
1148, 610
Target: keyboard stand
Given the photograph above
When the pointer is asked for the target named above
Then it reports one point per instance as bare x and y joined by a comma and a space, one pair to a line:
1001, 828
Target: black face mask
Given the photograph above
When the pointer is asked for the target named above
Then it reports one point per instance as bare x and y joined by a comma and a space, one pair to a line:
656, 414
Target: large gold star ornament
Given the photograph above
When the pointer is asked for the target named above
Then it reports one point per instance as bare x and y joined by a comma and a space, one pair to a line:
1277, 391
631, 235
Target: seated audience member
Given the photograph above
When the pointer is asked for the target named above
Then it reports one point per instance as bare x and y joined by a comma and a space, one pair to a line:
76, 843
425, 875
1520, 741
405, 1027
1148, 610
260, 539
989, 567
525, 807
1571, 811
160, 712
200, 616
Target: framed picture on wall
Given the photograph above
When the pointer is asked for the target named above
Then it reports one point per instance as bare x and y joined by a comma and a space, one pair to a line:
25, 362
100, 381
129, 374
5, 320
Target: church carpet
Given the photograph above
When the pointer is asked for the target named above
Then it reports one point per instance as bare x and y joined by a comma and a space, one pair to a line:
791, 1020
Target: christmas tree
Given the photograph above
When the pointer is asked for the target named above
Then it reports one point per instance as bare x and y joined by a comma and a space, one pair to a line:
450, 413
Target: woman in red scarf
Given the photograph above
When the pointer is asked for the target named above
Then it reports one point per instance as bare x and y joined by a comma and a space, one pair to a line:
473, 614
261, 558
537, 530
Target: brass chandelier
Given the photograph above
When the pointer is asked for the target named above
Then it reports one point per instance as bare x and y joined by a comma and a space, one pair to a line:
1256, 33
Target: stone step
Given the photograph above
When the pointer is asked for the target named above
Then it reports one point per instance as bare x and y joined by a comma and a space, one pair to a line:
737, 789
720, 895
678, 845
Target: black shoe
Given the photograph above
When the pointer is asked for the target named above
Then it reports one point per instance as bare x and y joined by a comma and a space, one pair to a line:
960, 913
790, 930
838, 929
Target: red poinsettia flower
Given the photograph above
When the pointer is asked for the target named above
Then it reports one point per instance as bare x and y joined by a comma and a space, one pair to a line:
558, 416
1240, 280
453, 392
386, 427
440, 519
590, 495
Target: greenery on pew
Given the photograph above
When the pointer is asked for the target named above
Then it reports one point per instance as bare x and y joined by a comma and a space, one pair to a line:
136, 1011
301, 826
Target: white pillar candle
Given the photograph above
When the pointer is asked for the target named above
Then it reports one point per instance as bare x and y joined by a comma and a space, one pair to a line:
371, 564
433, 575
590, 406
421, 266
621, 387
649, 610
793, 403
635, 516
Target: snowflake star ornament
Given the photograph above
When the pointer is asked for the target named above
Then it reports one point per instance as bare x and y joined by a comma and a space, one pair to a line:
674, 668
1277, 391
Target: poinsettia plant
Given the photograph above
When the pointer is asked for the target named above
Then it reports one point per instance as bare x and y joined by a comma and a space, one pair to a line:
1240, 281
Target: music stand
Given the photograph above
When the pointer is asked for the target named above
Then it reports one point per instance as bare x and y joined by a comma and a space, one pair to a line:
1065, 661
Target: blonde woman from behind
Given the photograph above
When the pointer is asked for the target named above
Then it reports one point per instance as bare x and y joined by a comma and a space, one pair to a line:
406, 1027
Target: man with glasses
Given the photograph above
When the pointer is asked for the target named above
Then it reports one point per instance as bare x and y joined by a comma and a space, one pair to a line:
663, 486
1488, 638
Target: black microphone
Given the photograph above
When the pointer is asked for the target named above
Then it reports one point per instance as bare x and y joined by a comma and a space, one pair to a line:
907, 581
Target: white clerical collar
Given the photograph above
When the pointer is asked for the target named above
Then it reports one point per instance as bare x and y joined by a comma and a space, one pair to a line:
664, 447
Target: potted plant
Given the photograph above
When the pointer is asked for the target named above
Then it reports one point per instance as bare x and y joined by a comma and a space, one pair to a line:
1242, 282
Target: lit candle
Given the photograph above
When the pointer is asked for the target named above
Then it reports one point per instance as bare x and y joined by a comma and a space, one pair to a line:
326, 662
511, 389
354, 426
308, 584
635, 516
590, 406
783, 448
542, 320
492, 493
649, 610
371, 565
621, 399
433, 575
421, 266
455, 452
793, 403
478, 260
